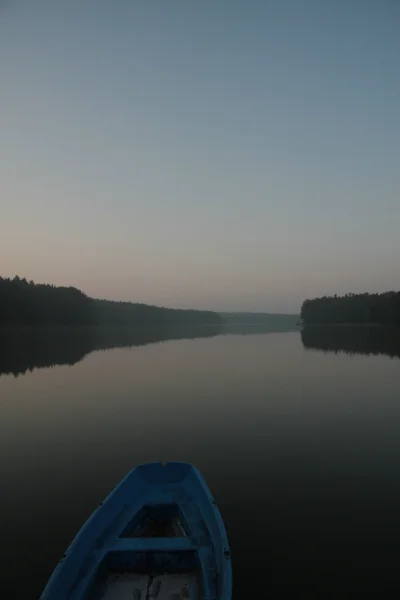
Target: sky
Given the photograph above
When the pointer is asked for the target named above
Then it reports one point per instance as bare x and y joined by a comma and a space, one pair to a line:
216, 154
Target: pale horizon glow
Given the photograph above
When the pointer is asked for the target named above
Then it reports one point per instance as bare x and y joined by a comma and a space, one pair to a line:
215, 155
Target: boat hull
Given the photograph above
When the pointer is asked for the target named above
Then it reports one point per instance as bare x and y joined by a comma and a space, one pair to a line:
158, 535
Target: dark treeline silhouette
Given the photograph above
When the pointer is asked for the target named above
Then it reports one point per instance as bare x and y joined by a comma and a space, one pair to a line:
24, 303
23, 350
353, 308
353, 340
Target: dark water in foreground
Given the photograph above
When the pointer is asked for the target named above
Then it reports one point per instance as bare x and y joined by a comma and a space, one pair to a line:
298, 441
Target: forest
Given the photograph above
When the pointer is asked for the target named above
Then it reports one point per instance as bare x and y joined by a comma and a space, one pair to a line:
381, 309
25, 303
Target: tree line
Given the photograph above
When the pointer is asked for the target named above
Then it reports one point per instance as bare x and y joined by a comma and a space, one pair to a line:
353, 308
25, 303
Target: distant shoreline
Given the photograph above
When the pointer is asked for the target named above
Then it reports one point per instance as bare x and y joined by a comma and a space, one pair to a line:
353, 310
24, 303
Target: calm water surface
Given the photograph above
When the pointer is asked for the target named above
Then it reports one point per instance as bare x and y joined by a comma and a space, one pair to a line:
301, 448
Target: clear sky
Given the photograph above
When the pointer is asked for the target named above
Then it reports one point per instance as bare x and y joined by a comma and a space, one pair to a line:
210, 154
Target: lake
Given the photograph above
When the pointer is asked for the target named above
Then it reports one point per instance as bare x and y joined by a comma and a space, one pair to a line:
297, 435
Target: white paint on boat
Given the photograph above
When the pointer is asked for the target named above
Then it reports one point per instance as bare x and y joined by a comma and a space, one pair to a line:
166, 586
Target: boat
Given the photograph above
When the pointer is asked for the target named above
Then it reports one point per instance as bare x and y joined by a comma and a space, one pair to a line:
158, 536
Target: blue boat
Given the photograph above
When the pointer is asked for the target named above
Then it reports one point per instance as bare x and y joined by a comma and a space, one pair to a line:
158, 536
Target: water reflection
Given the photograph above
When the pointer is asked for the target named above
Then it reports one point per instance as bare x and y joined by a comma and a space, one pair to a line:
25, 350
28, 349
353, 340
300, 449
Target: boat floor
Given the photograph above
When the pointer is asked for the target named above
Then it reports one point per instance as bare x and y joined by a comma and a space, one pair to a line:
132, 586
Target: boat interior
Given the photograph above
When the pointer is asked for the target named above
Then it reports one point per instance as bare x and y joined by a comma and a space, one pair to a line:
163, 566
